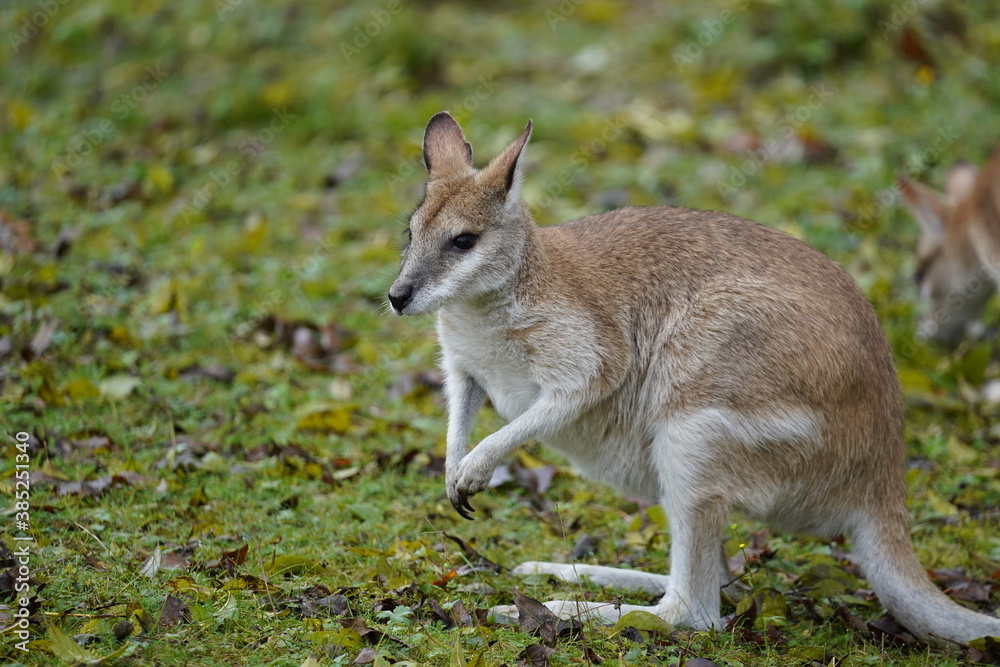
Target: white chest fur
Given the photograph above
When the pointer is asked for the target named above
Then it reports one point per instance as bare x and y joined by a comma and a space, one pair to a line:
471, 344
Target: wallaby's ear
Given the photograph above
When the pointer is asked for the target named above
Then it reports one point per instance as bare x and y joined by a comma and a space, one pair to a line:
960, 181
504, 172
928, 206
446, 152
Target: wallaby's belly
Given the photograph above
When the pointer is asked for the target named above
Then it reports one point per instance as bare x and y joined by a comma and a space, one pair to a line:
619, 460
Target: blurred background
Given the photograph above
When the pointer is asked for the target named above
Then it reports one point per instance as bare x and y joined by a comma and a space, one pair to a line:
201, 207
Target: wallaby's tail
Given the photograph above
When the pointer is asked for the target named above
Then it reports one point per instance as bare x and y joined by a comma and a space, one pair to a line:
883, 545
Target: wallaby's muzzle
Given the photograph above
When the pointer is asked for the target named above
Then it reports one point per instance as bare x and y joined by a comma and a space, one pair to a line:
399, 296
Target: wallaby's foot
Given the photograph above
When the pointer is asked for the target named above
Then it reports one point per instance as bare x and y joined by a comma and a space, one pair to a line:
612, 577
606, 613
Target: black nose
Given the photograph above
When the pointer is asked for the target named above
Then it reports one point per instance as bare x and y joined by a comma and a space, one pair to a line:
401, 297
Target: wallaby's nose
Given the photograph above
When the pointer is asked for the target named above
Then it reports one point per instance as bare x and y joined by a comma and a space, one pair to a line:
400, 296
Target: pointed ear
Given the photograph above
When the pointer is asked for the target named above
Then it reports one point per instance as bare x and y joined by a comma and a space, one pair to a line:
446, 152
504, 172
960, 180
928, 207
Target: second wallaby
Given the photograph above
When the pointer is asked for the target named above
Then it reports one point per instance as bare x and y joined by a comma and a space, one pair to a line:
958, 254
692, 358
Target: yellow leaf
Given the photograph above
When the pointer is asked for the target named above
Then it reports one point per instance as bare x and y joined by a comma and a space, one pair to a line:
457, 657
961, 453
529, 461
20, 113
293, 565
915, 381
50, 393
657, 516
81, 388
277, 94
325, 417
65, 648
160, 178
199, 498
641, 620
940, 505
166, 297
600, 11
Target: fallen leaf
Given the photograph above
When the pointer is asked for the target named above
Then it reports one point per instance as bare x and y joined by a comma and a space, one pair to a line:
174, 611
535, 617
535, 655
984, 651
586, 545
228, 561
886, 628
95, 487
216, 372
961, 587
118, 387
366, 656
68, 650
152, 564
42, 339
476, 561
641, 620
293, 565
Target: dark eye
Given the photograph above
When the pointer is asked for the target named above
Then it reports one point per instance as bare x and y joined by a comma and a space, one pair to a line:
464, 241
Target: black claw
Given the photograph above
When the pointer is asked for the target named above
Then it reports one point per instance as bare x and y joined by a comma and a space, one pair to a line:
463, 507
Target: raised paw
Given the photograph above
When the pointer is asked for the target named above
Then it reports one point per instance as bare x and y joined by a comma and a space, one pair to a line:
465, 482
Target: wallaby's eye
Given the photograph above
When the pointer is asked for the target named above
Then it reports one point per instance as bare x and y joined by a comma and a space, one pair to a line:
464, 241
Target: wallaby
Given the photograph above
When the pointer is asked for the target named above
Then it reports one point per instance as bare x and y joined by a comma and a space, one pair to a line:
692, 358
958, 254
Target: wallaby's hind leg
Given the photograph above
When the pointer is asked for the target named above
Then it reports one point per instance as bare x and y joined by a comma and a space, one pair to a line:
599, 575
600, 612
696, 578
611, 577
614, 577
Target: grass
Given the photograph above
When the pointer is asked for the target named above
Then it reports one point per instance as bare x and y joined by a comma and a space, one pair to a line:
201, 209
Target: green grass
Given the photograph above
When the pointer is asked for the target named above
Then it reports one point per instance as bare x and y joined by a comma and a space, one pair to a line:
183, 186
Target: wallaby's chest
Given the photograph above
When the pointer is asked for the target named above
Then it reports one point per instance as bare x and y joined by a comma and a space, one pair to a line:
497, 362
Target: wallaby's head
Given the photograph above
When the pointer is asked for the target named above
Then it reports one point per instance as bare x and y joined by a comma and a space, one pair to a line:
467, 237
952, 284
